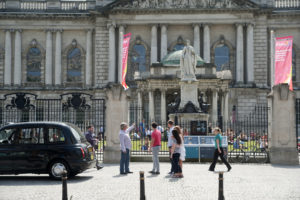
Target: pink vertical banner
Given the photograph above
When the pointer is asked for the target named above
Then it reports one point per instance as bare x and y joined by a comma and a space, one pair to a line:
125, 48
283, 60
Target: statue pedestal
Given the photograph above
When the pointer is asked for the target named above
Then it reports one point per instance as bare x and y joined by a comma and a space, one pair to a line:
189, 92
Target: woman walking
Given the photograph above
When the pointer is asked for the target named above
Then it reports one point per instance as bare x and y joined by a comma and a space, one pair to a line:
175, 154
218, 150
182, 149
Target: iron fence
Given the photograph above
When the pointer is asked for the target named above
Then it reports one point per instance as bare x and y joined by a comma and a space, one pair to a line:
247, 135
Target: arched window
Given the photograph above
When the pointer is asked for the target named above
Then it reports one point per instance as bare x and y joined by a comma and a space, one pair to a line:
179, 45
138, 58
222, 58
294, 64
74, 64
34, 63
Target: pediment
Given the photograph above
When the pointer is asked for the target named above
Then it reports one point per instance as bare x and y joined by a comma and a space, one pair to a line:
184, 4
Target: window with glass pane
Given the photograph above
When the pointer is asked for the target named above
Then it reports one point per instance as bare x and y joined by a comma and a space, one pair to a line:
55, 135
138, 58
178, 47
34, 59
31, 136
294, 64
74, 65
8, 136
222, 57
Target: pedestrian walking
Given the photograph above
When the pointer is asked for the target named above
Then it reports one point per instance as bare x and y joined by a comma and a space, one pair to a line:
155, 148
91, 137
125, 145
182, 148
175, 153
218, 150
171, 127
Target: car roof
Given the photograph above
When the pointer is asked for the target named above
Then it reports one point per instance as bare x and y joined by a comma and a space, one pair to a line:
35, 123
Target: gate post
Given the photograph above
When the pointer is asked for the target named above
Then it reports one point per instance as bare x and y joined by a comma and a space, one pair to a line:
282, 132
116, 112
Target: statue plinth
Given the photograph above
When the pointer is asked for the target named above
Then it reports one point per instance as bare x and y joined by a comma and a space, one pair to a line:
189, 93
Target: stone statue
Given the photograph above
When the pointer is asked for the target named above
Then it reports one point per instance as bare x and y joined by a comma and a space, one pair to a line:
188, 62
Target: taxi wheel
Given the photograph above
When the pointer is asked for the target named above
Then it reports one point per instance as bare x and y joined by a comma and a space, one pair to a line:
57, 167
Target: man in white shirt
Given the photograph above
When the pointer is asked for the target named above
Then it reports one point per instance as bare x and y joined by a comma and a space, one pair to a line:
171, 127
125, 146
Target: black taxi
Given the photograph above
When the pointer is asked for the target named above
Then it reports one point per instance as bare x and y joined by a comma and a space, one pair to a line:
44, 147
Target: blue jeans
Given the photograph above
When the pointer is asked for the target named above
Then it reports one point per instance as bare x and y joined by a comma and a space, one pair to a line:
124, 162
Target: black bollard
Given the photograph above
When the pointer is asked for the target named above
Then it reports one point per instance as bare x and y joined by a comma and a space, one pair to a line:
64, 185
221, 195
142, 186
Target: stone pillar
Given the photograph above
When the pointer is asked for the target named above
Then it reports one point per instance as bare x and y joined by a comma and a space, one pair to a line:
164, 42
89, 63
226, 113
163, 106
121, 36
239, 54
250, 54
153, 44
112, 53
48, 71
116, 112
151, 105
58, 52
18, 58
272, 56
197, 38
214, 115
206, 49
282, 133
7, 65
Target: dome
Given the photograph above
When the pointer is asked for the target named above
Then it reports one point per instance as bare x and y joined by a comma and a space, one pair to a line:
173, 59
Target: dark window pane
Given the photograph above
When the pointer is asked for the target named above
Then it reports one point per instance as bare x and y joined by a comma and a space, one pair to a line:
138, 58
34, 59
222, 57
178, 47
294, 65
74, 66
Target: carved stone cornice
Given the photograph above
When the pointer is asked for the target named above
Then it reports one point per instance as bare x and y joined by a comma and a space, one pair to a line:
112, 24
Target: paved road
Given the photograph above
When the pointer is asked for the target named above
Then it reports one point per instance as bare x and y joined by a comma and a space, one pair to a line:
245, 181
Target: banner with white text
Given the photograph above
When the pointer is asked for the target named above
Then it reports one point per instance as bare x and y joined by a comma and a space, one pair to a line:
125, 48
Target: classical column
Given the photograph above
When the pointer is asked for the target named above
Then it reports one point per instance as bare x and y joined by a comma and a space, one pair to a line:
7, 65
163, 106
18, 58
225, 118
112, 53
239, 54
164, 42
140, 105
197, 38
153, 44
151, 105
89, 63
214, 106
272, 56
121, 35
48, 74
58, 52
250, 54
206, 49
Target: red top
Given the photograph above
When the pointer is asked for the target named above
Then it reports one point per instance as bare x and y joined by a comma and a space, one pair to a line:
156, 135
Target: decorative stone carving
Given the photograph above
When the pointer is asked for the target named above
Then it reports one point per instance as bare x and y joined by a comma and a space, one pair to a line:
188, 62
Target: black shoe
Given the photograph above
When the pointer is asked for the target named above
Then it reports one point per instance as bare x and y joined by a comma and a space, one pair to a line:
151, 172
171, 173
229, 169
156, 172
211, 170
123, 173
129, 172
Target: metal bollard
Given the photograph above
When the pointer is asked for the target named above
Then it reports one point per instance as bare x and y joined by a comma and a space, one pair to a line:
64, 185
142, 186
221, 195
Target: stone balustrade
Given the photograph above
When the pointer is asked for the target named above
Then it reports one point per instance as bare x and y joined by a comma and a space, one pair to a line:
287, 3
32, 5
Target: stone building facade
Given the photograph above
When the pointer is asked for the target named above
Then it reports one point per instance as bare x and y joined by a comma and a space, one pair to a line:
57, 47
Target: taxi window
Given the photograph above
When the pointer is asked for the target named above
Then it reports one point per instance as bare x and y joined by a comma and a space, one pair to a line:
8, 136
56, 135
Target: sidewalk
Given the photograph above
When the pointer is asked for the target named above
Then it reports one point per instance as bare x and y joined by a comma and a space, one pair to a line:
243, 182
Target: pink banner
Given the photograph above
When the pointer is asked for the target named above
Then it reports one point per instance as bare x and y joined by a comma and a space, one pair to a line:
125, 48
283, 60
